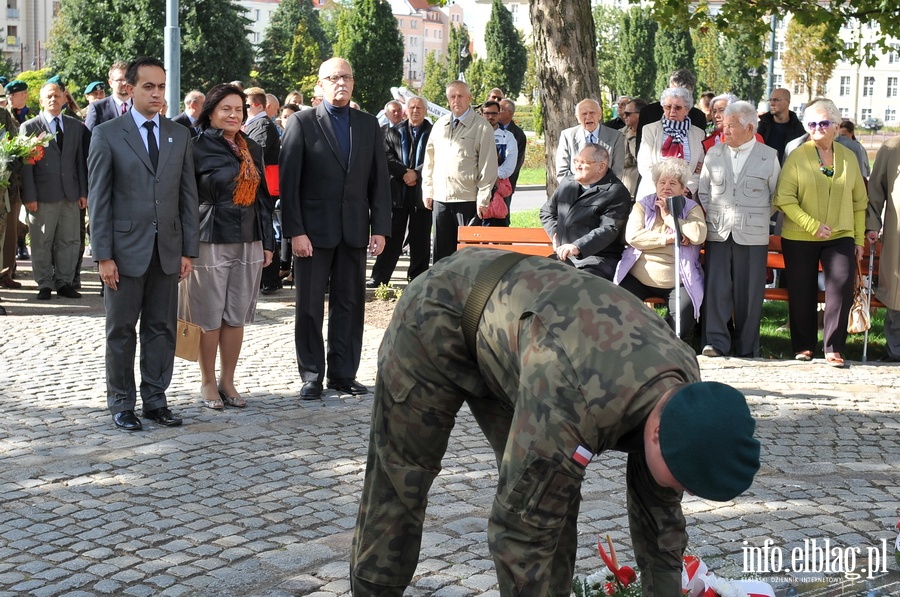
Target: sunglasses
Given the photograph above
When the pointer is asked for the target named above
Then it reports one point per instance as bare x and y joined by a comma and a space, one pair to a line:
822, 124
628, 113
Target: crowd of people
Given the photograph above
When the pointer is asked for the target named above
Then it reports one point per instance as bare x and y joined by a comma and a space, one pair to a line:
638, 197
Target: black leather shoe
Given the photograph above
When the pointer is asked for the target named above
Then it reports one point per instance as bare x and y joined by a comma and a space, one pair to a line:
67, 291
886, 358
270, 289
347, 386
311, 390
372, 284
163, 416
2, 310
127, 420
44, 294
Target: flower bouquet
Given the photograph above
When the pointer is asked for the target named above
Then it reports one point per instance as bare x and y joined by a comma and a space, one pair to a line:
29, 149
696, 580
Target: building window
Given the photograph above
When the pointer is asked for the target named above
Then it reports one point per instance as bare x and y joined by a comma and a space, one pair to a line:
865, 114
778, 80
868, 86
400, 23
892, 87
845, 86
798, 88
413, 24
779, 50
894, 54
890, 115
845, 112
439, 34
413, 41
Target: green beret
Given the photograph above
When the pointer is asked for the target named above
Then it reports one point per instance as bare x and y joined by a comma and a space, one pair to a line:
706, 439
56, 80
94, 86
3, 81
15, 86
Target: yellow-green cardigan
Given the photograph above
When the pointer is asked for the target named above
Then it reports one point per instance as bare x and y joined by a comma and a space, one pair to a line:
808, 198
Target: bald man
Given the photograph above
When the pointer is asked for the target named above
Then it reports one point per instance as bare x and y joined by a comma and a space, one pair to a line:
589, 130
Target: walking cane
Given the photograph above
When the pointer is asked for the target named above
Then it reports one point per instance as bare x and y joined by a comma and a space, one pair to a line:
676, 206
869, 297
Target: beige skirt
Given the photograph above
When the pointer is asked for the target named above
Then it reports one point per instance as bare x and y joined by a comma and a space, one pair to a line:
224, 285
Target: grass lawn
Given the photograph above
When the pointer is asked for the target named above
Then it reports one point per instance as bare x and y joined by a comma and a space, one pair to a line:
532, 176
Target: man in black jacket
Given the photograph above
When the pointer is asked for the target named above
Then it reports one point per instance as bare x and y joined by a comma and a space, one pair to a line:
587, 213
404, 145
780, 124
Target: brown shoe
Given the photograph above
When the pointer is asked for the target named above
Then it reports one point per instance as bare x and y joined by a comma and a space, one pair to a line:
7, 282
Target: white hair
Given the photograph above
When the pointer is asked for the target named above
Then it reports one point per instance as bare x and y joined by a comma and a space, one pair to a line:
745, 112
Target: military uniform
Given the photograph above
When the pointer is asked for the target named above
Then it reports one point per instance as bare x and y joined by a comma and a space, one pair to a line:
566, 365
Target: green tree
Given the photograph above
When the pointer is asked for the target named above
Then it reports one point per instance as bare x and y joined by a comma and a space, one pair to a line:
329, 16
530, 85
458, 48
438, 73
293, 47
735, 17
481, 77
89, 35
370, 40
708, 58
505, 49
738, 54
673, 50
635, 74
607, 21
35, 79
809, 57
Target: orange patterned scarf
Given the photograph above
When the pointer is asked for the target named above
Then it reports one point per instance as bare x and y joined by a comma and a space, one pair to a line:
247, 181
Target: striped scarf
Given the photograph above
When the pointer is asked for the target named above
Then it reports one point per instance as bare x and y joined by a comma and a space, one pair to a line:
676, 133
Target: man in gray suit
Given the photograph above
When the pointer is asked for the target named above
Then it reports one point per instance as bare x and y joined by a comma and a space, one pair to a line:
737, 184
144, 231
589, 130
54, 191
114, 105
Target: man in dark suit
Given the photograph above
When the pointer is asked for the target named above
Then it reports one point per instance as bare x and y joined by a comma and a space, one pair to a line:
404, 146
113, 105
54, 191
144, 231
262, 129
334, 190
193, 102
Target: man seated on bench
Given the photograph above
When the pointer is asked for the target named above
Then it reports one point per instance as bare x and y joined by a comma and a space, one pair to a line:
586, 215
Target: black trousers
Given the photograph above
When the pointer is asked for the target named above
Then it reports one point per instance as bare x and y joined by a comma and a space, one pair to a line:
418, 221
643, 292
801, 264
343, 271
447, 218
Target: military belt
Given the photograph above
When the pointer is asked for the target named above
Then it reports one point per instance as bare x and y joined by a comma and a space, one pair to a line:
485, 283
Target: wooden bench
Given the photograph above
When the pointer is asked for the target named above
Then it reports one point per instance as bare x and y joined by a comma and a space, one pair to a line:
534, 241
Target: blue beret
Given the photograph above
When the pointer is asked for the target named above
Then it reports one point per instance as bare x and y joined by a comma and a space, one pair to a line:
706, 439
94, 86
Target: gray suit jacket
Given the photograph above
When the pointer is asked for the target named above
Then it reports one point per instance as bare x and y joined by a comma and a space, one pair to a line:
572, 141
739, 208
132, 207
59, 175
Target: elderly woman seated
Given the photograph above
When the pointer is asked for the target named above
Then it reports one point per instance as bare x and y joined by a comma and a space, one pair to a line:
647, 268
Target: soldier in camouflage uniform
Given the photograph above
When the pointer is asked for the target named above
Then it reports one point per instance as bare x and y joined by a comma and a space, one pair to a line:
567, 365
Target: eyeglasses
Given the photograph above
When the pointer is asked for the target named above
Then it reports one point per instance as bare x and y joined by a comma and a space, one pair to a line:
629, 113
335, 79
674, 108
822, 124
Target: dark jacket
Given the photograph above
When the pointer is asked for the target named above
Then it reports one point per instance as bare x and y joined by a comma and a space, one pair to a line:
521, 146
592, 219
795, 129
403, 195
221, 221
263, 131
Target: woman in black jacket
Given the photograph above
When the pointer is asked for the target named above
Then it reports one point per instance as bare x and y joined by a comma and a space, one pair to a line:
236, 240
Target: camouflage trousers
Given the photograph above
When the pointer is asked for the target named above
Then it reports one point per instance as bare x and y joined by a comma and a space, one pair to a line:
532, 528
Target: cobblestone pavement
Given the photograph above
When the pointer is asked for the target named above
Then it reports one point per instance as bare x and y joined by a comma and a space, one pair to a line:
262, 501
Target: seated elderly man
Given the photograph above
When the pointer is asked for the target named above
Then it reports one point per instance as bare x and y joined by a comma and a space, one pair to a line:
737, 184
589, 130
587, 213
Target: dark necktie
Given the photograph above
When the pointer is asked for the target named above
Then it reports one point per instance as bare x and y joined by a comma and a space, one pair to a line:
152, 148
455, 123
59, 132
124, 107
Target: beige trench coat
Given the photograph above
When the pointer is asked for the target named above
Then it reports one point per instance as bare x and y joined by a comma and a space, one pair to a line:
884, 214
